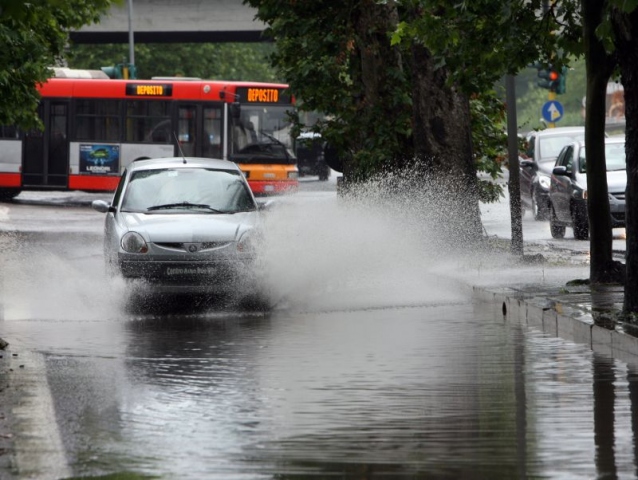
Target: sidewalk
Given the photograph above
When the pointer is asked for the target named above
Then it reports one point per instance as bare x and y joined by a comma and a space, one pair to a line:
576, 312
581, 314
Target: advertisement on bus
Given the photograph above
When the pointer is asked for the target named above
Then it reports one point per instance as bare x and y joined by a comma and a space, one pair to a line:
99, 159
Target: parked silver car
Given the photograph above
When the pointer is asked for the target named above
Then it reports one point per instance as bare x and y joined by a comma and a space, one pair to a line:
568, 188
183, 225
536, 167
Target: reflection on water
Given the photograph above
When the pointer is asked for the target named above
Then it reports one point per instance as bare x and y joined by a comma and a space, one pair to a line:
441, 391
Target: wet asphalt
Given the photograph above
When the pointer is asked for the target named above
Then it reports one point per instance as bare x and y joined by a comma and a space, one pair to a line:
579, 313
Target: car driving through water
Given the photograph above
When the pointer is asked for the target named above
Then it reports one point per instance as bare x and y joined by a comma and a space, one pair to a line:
568, 189
184, 225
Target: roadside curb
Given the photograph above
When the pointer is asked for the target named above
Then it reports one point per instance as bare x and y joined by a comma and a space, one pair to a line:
577, 315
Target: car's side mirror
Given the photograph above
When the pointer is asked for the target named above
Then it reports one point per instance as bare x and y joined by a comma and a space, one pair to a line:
102, 206
267, 205
526, 163
561, 170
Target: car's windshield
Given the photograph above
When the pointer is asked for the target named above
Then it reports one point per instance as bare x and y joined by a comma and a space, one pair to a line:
614, 158
187, 189
551, 146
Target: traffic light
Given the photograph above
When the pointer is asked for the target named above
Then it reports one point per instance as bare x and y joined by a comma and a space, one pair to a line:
121, 70
561, 87
548, 78
551, 78
128, 70
113, 72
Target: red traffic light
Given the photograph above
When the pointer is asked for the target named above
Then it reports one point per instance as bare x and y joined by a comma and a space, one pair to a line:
553, 75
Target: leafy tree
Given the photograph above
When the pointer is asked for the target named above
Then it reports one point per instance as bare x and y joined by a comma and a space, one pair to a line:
33, 35
379, 114
227, 61
502, 37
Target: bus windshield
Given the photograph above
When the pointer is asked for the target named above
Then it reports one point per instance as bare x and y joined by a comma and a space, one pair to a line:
262, 133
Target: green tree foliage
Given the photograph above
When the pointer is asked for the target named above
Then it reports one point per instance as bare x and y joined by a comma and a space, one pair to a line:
336, 56
481, 40
227, 61
476, 42
33, 35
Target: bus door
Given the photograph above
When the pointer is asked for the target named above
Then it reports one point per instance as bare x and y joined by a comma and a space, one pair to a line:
200, 130
45, 160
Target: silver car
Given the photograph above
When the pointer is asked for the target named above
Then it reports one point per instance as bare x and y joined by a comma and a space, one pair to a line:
183, 225
536, 168
568, 189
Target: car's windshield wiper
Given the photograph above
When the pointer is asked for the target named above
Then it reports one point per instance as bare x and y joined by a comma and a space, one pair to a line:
183, 205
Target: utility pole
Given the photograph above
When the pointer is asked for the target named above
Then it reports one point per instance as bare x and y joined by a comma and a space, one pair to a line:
513, 185
131, 45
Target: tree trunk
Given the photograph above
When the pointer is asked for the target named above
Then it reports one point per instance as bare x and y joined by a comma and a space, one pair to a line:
599, 67
443, 147
625, 28
376, 66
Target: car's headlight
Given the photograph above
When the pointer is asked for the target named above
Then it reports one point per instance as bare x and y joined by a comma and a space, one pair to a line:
544, 181
293, 175
133, 242
247, 243
579, 193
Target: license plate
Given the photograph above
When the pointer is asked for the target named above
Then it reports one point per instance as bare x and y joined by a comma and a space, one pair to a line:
189, 271
269, 188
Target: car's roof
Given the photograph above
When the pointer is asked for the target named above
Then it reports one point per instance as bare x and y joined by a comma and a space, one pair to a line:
183, 162
613, 139
558, 131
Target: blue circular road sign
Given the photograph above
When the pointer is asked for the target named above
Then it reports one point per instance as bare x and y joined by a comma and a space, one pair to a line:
552, 111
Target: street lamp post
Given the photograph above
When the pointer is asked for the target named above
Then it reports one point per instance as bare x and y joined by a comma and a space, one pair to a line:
131, 45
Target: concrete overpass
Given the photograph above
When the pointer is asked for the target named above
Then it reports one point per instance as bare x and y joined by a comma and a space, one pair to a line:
175, 21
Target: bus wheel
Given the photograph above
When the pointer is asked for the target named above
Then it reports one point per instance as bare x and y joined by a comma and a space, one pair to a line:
7, 194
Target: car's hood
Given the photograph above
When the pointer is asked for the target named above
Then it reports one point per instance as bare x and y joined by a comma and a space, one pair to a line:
188, 227
617, 180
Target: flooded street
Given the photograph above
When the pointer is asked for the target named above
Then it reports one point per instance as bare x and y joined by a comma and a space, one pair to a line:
372, 365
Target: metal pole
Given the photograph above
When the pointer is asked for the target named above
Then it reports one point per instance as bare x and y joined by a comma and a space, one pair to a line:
514, 187
131, 45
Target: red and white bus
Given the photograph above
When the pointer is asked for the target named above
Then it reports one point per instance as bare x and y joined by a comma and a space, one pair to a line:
94, 127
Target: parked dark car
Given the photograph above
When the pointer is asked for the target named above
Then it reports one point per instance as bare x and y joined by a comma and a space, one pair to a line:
568, 188
310, 153
536, 167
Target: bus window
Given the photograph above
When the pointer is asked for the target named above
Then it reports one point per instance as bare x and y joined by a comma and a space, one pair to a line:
148, 121
97, 120
212, 145
9, 132
186, 129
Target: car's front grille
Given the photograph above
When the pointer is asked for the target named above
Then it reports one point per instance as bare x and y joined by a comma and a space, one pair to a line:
191, 247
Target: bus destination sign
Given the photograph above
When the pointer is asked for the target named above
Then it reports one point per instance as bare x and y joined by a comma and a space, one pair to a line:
262, 95
149, 90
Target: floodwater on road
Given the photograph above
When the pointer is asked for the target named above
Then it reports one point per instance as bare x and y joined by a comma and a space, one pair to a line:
445, 390
375, 365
